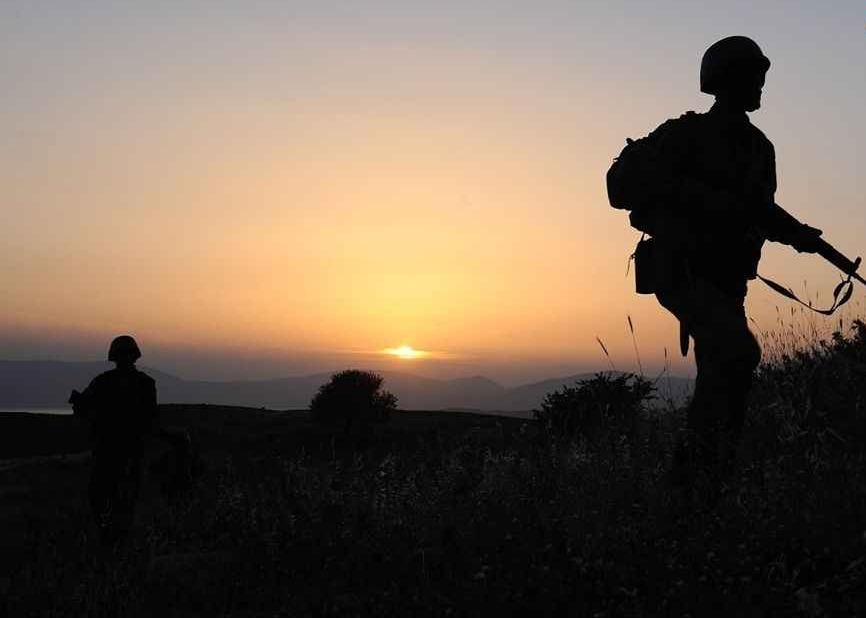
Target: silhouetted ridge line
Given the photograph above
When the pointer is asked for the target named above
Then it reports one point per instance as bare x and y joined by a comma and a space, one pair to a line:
46, 384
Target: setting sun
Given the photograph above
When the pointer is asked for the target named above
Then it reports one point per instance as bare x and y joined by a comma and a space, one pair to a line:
405, 352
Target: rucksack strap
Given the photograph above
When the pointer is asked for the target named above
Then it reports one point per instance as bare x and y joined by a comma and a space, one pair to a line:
631, 258
841, 294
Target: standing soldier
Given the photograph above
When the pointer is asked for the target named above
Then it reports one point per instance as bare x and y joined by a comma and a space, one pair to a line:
121, 407
702, 186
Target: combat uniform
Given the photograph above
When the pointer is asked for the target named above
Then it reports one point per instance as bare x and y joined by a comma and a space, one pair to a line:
707, 198
121, 405
703, 187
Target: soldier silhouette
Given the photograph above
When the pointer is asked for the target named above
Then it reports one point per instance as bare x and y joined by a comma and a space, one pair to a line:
120, 405
702, 186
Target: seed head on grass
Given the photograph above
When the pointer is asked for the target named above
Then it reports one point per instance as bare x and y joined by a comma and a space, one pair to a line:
606, 353
634, 343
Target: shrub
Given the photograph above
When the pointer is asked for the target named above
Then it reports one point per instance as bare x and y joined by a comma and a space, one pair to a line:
604, 402
816, 394
353, 398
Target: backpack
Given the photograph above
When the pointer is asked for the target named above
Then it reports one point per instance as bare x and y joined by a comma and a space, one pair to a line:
632, 180
633, 185
624, 188
621, 177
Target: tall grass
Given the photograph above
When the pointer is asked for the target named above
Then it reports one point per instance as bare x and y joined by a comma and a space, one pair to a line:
507, 521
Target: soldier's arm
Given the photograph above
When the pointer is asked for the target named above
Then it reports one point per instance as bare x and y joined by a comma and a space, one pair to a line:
777, 224
84, 403
781, 226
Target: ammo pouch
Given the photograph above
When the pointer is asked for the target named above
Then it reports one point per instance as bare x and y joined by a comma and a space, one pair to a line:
645, 266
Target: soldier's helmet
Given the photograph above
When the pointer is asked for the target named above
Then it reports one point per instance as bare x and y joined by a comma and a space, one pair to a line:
730, 54
123, 347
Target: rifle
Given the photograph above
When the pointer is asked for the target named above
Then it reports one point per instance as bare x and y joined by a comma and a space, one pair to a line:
80, 407
849, 267
843, 291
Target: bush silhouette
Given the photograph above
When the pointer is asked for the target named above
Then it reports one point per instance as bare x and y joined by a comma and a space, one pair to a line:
603, 403
354, 399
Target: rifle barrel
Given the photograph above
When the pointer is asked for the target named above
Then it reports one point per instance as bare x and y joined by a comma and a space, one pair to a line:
825, 249
847, 266
829, 253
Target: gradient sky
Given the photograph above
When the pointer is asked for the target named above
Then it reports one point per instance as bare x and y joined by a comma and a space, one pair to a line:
269, 188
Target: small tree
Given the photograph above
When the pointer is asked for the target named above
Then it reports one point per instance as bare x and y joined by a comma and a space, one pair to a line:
353, 398
604, 402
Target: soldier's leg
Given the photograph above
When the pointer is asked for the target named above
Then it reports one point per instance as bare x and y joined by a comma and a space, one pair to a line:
128, 488
729, 355
99, 486
97, 491
104, 481
726, 354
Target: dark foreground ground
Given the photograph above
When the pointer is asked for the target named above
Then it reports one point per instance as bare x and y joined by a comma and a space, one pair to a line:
457, 514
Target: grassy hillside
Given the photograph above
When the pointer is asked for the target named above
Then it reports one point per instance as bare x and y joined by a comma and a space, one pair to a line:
458, 514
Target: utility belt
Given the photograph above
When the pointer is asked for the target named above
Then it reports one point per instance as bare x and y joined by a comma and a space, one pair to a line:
661, 268
662, 265
658, 267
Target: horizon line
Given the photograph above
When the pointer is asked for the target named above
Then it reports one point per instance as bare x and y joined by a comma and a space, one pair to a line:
658, 377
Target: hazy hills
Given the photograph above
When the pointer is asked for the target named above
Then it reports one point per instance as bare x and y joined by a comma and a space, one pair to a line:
46, 384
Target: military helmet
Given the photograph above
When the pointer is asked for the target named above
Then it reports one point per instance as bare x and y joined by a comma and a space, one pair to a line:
729, 53
123, 346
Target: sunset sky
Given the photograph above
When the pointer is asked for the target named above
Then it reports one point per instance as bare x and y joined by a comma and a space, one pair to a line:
257, 189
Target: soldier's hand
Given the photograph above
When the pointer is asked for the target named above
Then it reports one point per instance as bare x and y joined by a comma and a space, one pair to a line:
806, 239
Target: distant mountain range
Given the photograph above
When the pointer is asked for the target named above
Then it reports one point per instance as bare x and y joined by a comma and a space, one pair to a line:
47, 384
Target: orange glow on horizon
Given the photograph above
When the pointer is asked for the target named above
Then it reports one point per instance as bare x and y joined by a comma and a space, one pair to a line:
405, 352
222, 186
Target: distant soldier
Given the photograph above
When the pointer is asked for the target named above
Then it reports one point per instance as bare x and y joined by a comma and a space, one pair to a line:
121, 407
702, 187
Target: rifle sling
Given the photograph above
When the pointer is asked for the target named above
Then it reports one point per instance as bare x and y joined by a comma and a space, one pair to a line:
841, 294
